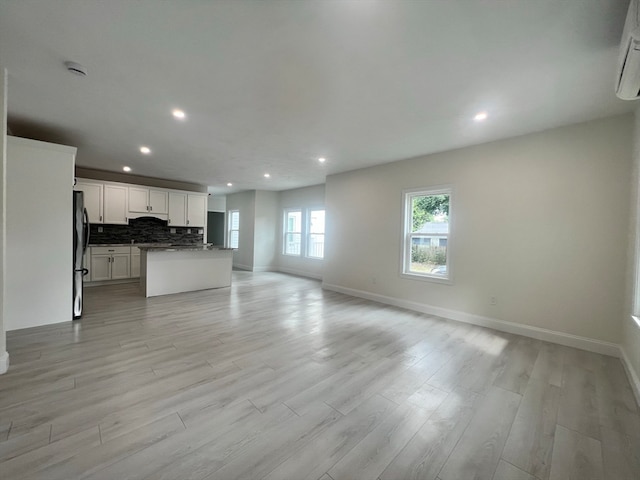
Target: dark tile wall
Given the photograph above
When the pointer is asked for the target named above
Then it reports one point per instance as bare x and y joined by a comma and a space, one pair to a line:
144, 230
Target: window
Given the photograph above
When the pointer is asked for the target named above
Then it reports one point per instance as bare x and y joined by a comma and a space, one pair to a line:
426, 233
233, 228
315, 238
303, 232
292, 232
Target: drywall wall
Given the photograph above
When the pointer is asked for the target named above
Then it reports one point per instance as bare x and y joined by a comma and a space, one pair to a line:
266, 220
4, 356
539, 222
630, 330
303, 198
245, 203
39, 259
108, 176
216, 203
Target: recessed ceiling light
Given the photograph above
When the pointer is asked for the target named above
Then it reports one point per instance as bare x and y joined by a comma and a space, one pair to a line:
145, 150
322, 159
126, 169
266, 175
179, 114
480, 116
229, 184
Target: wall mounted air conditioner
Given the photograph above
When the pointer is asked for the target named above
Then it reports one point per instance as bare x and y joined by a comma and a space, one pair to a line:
628, 78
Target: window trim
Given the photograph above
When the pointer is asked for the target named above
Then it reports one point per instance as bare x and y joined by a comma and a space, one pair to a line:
308, 231
405, 237
229, 229
285, 231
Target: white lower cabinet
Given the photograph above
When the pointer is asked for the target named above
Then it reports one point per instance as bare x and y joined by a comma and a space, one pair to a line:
110, 263
135, 262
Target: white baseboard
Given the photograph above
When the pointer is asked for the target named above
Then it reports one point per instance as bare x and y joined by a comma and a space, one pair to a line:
567, 339
300, 273
632, 375
4, 362
264, 269
239, 266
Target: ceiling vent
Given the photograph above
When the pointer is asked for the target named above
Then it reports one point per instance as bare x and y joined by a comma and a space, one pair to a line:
76, 68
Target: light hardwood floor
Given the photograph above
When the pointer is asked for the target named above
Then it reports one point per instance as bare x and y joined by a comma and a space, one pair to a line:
277, 379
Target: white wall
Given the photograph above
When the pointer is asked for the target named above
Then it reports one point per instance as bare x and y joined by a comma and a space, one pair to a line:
538, 221
306, 197
266, 220
244, 202
4, 356
39, 233
216, 203
631, 331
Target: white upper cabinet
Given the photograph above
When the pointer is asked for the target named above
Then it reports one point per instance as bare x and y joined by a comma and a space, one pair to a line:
93, 200
115, 204
196, 210
138, 199
158, 201
148, 200
177, 209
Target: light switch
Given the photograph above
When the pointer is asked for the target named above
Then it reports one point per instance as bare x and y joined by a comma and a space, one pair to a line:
100, 229
200, 231
188, 230
172, 230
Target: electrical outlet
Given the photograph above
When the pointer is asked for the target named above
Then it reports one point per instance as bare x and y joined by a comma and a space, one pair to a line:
200, 231
100, 229
172, 230
188, 230
493, 300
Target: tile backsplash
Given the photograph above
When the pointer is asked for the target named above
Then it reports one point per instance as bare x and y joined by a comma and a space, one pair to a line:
144, 230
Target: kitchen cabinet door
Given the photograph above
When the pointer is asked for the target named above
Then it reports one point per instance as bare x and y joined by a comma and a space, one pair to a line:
138, 199
135, 265
100, 267
177, 209
120, 266
92, 199
196, 210
115, 204
158, 201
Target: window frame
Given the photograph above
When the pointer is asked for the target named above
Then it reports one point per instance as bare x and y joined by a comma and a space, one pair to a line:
230, 229
406, 234
308, 231
285, 231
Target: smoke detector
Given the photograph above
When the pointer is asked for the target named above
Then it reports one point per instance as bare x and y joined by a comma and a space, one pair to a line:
76, 68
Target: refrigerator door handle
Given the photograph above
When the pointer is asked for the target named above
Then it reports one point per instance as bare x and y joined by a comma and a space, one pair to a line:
86, 232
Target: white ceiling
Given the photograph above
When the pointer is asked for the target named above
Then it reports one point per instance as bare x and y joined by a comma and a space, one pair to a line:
270, 86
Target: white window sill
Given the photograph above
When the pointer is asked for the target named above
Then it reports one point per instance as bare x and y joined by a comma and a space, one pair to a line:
427, 278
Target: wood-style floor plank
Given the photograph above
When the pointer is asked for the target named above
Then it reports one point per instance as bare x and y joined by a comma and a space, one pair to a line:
276, 379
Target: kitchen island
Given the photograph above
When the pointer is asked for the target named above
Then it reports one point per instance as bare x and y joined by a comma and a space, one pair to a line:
175, 269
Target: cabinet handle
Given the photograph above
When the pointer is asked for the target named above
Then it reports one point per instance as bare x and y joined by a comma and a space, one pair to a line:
100, 217
187, 222
168, 221
150, 208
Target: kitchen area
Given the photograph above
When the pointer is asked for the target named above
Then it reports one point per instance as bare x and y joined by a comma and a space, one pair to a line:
130, 224
68, 232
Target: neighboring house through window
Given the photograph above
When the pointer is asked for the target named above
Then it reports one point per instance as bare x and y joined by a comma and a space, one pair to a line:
426, 233
233, 229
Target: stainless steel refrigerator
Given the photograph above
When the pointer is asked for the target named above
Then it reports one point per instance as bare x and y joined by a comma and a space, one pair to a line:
80, 242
